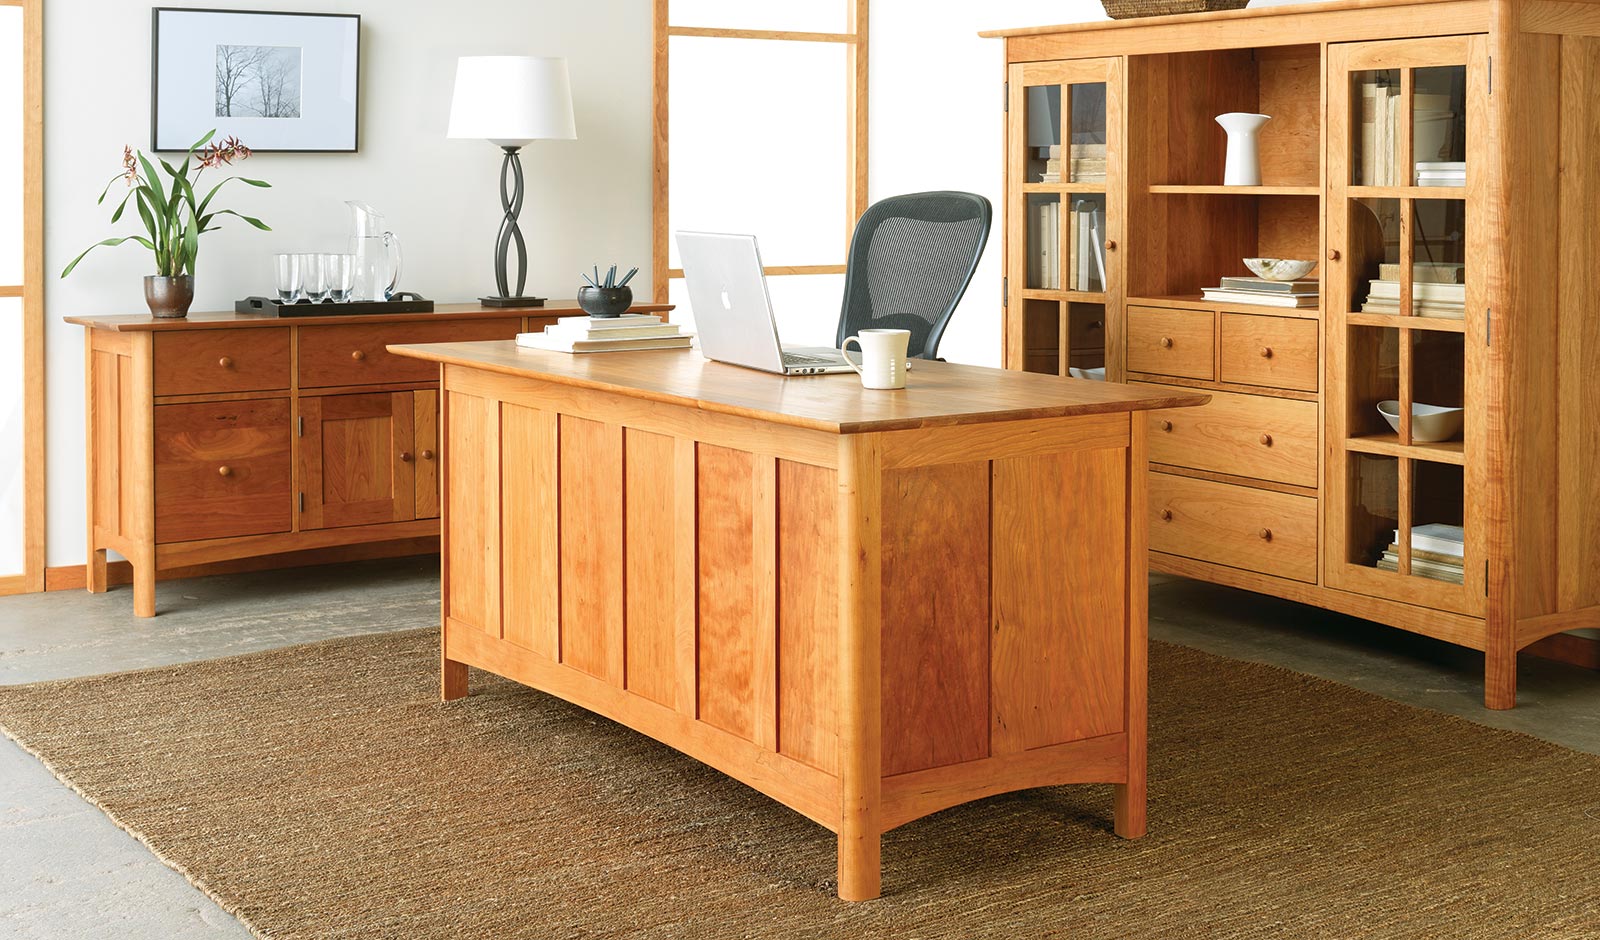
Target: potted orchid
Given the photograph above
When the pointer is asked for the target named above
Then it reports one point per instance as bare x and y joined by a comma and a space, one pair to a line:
174, 217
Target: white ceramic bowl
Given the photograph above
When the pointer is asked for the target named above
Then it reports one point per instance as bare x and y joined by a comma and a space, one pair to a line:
1093, 375
1429, 423
1279, 269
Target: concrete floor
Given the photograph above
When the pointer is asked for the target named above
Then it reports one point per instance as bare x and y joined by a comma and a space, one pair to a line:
67, 871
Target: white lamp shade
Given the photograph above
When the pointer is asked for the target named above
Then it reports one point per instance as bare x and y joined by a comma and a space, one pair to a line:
512, 99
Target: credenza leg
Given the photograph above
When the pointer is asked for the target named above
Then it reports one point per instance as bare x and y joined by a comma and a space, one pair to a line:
860, 876
144, 589
1129, 809
94, 575
452, 679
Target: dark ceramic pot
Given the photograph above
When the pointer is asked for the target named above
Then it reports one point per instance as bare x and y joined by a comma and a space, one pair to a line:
169, 297
605, 301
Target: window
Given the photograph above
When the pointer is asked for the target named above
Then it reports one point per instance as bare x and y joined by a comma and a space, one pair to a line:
761, 117
21, 300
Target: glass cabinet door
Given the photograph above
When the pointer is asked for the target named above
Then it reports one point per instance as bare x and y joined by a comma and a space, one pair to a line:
1407, 314
1063, 146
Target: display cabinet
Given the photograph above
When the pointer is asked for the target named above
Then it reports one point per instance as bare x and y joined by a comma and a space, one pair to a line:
1408, 438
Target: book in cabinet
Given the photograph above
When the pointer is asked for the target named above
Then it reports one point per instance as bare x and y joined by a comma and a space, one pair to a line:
1447, 190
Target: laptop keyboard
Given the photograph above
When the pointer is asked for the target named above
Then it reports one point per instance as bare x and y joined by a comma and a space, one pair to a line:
801, 359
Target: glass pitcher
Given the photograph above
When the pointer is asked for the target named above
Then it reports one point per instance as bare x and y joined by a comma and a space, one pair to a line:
376, 263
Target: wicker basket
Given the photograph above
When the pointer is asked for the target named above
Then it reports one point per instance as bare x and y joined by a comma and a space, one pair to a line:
1132, 9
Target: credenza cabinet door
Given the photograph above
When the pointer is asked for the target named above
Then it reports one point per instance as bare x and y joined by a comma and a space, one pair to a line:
425, 435
1064, 212
222, 469
1409, 236
358, 460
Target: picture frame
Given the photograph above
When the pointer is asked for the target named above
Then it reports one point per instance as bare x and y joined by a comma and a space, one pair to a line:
280, 82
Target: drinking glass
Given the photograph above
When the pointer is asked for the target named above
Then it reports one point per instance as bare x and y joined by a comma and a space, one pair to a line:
315, 276
339, 269
290, 280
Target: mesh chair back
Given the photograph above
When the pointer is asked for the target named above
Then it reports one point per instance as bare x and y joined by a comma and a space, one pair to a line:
911, 259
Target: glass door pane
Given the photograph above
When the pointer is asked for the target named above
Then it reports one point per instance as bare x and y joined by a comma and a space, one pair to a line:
1087, 153
1375, 127
1042, 105
1439, 125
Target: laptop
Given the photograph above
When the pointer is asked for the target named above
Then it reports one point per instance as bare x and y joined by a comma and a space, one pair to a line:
733, 312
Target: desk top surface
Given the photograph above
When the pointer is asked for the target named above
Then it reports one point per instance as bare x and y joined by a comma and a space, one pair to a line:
228, 319
937, 393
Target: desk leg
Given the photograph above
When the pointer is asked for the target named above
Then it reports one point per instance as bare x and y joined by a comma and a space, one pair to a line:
860, 669
144, 586
452, 678
95, 571
1130, 797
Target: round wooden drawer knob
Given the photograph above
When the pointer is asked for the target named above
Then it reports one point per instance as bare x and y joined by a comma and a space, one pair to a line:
358, 355
1166, 425
1166, 342
427, 455
405, 456
225, 471
1166, 515
1333, 254
1266, 440
1266, 535
1111, 245
225, 362
1266, 352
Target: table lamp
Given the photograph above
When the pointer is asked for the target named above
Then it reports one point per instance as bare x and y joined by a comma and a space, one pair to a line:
511, 100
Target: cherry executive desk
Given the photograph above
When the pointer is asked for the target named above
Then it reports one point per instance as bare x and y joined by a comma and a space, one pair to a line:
867, 605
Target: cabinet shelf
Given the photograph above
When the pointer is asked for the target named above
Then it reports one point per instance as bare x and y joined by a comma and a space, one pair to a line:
1075, 296
1065, 188
1406, 192
1388, 445
1184, 188
1395, 321
1196, 302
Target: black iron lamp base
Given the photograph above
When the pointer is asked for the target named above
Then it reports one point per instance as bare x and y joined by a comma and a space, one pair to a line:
511, 301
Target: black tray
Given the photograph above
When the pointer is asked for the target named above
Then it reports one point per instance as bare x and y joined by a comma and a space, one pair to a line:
404, 302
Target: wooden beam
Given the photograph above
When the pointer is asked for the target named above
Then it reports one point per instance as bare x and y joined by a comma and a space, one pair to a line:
658, 153
33, 368
1562, 17
769, 34
856, 89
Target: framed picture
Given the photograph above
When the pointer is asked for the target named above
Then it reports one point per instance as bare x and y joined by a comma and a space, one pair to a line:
284, 82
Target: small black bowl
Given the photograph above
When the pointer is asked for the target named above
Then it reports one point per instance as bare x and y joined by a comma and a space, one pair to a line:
605, 301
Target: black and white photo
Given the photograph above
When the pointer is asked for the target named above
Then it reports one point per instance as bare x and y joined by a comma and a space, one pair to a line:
279, 81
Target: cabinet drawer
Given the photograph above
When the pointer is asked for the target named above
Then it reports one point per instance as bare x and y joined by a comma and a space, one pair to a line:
1258, 530
1277, 351
222, 469
355, 355
1244, 435
203, 362
1171, 342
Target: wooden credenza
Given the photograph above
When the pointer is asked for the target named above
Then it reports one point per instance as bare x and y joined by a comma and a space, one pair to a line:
868, 605
226, 436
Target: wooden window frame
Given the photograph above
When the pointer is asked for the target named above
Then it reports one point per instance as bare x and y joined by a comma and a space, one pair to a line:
855, 143
31, 290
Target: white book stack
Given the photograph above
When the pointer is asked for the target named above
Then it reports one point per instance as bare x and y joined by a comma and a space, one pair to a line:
1264, 293
607, 334
1442, 173
1438, 551
1436, 291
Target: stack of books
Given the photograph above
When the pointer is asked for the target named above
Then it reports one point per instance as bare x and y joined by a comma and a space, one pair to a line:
1260, 291
1442, 173
606, 334
1086, 163
1437, 551
1086, 253
1436, 291
1044, 235
1379, 130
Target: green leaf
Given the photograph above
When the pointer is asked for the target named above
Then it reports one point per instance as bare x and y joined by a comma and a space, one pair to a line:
206, 202
252, 221
117, 215
109, 243
191, 241
108, 188
154, 215
152, 180
149, 220
203, 141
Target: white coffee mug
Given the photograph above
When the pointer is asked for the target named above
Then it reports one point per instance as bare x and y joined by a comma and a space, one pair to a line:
883, 357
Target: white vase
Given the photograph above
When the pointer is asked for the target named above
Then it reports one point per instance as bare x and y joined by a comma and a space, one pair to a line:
1244, 162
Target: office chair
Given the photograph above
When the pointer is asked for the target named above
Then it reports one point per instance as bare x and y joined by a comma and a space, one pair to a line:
911, 259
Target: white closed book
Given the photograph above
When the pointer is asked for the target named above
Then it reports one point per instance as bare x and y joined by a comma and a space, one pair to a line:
580, 331
557, 344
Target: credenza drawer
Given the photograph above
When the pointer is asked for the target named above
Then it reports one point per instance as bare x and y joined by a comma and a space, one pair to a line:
1245, 435
204, 362
1258, 530
1171, 342
222, 468
355, 355
1280, 352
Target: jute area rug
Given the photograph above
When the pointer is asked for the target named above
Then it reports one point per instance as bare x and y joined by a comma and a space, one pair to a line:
323, 791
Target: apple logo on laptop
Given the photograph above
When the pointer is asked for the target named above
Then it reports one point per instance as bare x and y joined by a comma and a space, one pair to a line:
727, 302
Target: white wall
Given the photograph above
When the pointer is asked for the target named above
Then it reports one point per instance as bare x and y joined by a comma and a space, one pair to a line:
938, 123
588, 200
